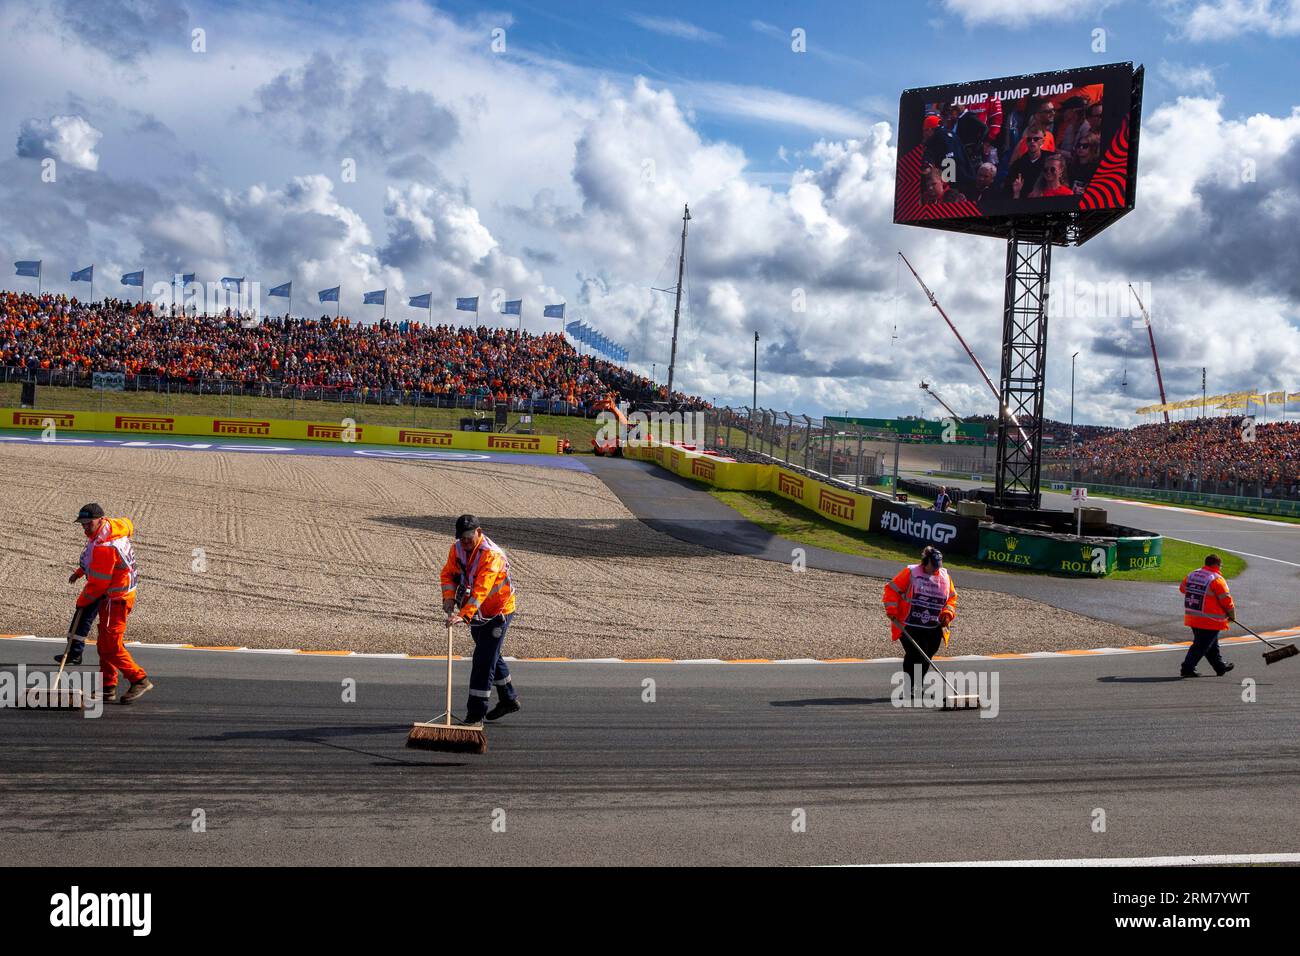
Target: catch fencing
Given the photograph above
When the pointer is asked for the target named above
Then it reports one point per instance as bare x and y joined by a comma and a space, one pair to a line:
848, 454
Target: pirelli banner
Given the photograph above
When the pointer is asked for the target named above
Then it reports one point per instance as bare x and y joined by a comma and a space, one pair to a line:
233, 428
730, 475
829, 501
1087, 557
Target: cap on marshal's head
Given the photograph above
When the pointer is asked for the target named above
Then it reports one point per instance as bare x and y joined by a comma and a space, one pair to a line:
465, 524
89, 512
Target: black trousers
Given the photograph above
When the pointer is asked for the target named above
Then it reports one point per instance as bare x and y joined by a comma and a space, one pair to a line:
1205, 643
930, 639
488, 668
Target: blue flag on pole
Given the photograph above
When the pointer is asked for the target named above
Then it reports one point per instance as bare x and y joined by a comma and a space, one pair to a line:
83, 275
282, 291
513, 307
553, 311
28, 267
232, 282
329, 295
420, 301
134, 278
183, 278
374, 298
467, 305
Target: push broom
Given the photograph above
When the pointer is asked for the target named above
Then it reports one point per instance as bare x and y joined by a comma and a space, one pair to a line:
53, 698
1279, 652
954, 700
441, 734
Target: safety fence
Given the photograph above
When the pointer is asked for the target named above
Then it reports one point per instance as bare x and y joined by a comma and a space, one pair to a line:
1175, 479
1285, 507
850, 455
1230, 495
172, 392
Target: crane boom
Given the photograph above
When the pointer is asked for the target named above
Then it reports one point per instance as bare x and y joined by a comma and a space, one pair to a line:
1160, 382
988, 381
925, 387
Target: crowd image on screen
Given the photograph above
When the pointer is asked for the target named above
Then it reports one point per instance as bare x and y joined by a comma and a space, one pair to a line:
442, 363
1032, 148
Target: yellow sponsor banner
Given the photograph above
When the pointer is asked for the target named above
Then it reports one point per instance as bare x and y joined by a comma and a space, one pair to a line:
730, 475
831, 502
232, 427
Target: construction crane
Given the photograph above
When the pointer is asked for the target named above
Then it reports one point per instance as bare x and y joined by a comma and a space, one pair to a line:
1152, 336
925, 387
987, 381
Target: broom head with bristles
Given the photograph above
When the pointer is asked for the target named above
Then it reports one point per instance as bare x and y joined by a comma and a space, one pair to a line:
1289, 650
59, 698
961, 702
450, 738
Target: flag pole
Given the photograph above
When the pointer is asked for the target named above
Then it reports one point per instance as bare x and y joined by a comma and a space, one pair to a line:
40, 267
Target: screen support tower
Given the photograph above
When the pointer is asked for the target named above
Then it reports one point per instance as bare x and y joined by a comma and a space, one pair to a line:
1024, 366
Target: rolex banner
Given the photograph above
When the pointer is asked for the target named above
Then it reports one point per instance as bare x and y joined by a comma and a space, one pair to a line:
1139, 554
1089, 557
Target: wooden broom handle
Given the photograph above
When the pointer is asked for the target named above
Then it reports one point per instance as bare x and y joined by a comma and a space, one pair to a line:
448, 675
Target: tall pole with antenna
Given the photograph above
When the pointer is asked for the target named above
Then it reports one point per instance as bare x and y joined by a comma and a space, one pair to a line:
677, 307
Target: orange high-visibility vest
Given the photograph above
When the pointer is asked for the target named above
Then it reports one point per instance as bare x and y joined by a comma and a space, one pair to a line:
109, 563
481, 580
917, 599
1206, 601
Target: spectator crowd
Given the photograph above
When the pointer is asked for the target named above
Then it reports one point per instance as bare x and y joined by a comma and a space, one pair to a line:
56, 333
1214, 455
1036, 147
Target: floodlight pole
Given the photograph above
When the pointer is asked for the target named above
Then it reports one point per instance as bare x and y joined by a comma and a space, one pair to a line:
677, 307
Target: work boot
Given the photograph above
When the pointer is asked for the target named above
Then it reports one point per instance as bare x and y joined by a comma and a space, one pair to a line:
106, 695
137, 690
74, 660
1226, 667
502, 708
1183, 673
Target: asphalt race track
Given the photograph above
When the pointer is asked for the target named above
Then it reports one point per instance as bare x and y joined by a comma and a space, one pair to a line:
711, 772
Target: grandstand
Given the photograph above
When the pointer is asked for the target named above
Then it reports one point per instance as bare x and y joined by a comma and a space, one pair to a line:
55, 339
1228, 456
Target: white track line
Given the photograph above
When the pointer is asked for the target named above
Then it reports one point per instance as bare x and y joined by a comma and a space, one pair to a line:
1262, 557
1229, 642
1199, 860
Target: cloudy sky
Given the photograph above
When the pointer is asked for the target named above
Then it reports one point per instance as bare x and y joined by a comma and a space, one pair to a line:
545, 150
